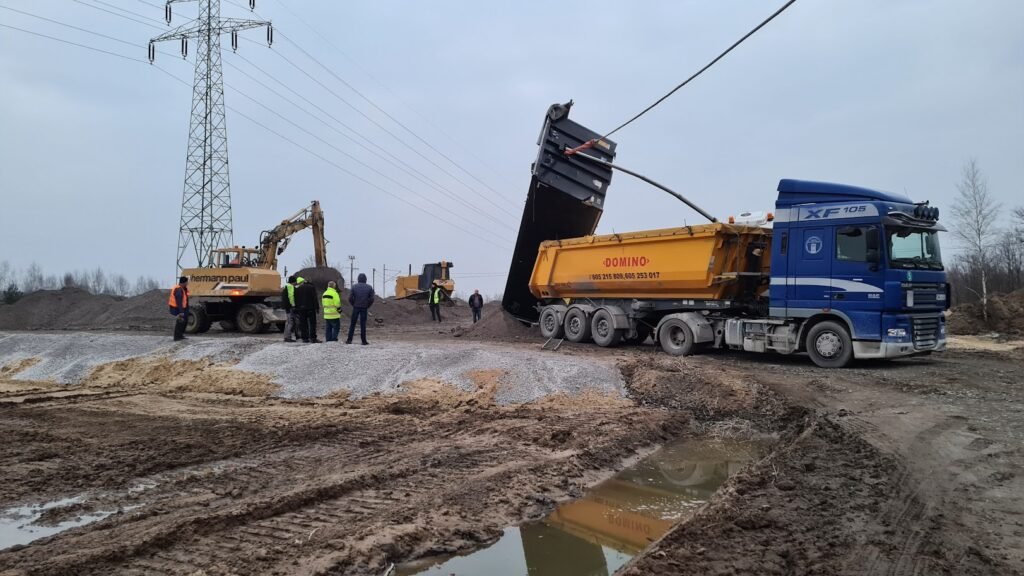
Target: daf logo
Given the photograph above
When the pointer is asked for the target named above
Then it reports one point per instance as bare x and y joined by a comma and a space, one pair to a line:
820, 213
813, 245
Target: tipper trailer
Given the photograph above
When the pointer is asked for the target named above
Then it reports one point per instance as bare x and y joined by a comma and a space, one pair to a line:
842, 273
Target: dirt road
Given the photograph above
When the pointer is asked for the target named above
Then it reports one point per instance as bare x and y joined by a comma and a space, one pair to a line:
903, 468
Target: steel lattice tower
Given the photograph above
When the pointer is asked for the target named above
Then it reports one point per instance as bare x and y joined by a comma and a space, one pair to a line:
206, 200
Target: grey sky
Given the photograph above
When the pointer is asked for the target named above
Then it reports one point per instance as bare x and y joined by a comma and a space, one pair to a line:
888, 94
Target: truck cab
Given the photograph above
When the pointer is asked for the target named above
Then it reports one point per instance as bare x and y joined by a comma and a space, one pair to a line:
857, 260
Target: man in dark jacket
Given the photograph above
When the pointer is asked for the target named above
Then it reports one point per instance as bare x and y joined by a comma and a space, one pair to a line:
307, 304
476, 304
361, 298
288, 301
178, 305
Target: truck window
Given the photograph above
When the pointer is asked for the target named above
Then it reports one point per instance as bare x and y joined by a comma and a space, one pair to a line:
852, 243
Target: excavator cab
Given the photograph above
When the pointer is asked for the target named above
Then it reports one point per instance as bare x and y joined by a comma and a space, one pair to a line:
235, 257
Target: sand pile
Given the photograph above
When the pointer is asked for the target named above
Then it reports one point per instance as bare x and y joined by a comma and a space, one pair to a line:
1005, 316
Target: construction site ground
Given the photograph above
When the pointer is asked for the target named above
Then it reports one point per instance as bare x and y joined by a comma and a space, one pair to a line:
244, 455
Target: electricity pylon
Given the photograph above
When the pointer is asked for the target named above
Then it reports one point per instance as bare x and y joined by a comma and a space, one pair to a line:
206, 200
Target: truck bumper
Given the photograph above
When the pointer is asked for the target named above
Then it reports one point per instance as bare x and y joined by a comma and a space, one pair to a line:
905, 335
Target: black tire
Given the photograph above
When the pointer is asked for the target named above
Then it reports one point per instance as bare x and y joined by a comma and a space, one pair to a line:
550, 327
603, 331
676, 337
829, 344
643, 332
577, 326
228, 325
198, 321
250, 319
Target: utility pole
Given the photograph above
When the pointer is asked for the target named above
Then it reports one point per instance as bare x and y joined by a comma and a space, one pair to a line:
351, 270
206, 199
374, 280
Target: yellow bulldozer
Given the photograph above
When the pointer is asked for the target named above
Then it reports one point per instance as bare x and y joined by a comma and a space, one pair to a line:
417, 287
240, 287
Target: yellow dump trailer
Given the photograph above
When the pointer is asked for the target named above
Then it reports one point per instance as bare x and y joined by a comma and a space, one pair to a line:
708, 262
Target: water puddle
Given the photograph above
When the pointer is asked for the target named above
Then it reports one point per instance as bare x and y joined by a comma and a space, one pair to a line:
598, 533
21, 524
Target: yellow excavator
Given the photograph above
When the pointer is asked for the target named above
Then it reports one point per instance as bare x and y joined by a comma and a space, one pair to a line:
418, 287
237, 288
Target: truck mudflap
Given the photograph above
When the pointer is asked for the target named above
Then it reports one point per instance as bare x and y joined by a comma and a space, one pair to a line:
565, 200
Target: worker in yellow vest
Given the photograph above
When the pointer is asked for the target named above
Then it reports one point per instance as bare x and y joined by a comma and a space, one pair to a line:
331, 301
288, 303
177, 302
435, 301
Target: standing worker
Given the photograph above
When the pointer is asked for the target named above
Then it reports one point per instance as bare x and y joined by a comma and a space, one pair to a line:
307, 305
476, 304
332, 312
178, 303
361, 298
288, 299
435, 301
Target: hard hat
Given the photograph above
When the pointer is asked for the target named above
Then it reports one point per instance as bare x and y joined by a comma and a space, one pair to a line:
300, 280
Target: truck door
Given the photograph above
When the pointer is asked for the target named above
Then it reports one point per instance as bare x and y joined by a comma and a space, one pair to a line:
856, 277
808, 279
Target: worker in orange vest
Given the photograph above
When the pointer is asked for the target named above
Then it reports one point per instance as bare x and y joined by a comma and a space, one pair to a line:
178, 303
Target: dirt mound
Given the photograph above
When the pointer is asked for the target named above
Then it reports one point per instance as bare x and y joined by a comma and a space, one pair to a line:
76, 309
1005, 316
496, 324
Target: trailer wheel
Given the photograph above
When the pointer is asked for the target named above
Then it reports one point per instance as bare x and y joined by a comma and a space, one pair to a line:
676, 337
550, 327
577, 326
198, 321
250, 319
603, 331
829, 345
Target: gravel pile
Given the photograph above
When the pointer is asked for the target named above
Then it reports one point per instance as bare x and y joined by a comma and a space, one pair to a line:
76, 309
311, 370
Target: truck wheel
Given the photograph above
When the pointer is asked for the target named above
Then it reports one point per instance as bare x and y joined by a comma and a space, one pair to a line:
577, 326
829, 345
250, 319
198, 321
602, 329
550, 327
676, 337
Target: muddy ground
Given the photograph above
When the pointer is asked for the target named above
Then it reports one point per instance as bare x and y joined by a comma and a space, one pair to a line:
909, 467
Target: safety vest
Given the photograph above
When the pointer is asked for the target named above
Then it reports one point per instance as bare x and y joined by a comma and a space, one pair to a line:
332, 304
436, 298
291, 294
184, 297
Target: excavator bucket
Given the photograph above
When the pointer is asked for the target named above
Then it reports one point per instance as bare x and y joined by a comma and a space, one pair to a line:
565, 200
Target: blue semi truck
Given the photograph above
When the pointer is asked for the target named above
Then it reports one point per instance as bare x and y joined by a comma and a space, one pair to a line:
843, 273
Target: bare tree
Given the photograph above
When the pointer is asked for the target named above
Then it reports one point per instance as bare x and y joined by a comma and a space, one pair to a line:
33, 279
975, 217
6, 274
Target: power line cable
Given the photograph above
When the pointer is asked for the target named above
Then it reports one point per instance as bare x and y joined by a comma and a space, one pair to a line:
100, 8
272, 131
394, 94
395, 120
389, 158
384, 129
69, 26
126, 11
706, 66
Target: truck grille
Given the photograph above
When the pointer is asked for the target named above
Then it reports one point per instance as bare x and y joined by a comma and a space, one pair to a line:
925, 295
926, 332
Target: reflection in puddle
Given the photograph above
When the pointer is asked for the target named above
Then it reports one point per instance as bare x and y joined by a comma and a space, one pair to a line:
598, 533
18, 525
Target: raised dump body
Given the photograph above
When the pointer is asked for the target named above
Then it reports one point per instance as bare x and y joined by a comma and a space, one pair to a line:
565, 200
722, 262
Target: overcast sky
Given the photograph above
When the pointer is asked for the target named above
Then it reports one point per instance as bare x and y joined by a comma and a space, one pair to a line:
888, 94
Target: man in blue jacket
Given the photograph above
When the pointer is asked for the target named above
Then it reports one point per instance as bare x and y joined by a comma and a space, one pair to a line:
361, 298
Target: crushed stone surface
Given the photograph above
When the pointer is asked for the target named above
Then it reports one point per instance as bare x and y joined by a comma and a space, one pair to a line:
313, 370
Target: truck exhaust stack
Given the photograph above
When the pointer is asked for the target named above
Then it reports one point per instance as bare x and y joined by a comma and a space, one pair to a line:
565, 200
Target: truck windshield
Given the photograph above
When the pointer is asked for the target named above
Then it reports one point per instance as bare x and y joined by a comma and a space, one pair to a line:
913, 248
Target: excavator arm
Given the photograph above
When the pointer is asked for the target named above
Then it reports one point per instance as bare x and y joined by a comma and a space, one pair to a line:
273, 242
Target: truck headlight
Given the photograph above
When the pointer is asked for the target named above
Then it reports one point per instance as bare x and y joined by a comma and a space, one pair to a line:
896, 333
942, 329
